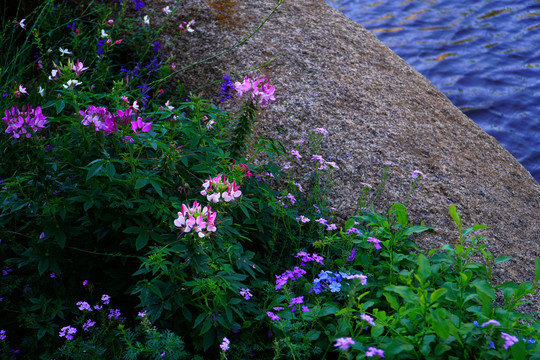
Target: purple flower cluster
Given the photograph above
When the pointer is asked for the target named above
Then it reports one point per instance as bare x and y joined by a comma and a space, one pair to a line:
87, 325
68, 332
114, 313
417, 173
100, 46
144, 92
343, 343
305, 258
376, 242
288, 196
83, 305
282, 279
226, 88
225, 344
272, 316
296, 301
509, 340
352, 256
368, 319
363, 278
25, 121
353, 230
106, 299
372, 351
246, 293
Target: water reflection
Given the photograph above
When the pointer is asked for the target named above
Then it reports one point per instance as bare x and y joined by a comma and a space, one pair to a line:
484, 55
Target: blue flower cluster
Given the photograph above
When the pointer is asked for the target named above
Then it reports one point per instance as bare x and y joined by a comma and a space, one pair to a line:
328, 280
139, 4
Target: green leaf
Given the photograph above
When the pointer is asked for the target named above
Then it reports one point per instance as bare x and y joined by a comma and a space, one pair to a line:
328, 309
455, 216
485, 292
392, 301
110, 170
43, 265
48, 104
537, 270
313, 335
405, 292
437, 294
199, 319
60, 105
401, 214
349, 224
132, 230
142, 240
424, 268
501, 259
60, 238
416, 229
94, 169
425, 348
400, 345
141, 182
209, 339
88, 205
440, 325
156, 187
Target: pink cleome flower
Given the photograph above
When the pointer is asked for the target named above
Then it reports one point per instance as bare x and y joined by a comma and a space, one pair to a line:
259, 90
140, 125
200, 220
219, 187
25, 121
100, 118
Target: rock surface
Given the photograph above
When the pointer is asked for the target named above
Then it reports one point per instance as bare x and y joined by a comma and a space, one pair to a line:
331, 72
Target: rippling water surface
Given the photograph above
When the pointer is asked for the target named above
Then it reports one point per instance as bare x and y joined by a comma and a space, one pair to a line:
483, 54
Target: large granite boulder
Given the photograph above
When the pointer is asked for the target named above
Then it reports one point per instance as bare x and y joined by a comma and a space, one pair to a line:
331, 72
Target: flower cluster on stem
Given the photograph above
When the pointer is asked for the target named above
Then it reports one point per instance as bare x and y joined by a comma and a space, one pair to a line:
200, 220
258, 90
219, 188
24, 122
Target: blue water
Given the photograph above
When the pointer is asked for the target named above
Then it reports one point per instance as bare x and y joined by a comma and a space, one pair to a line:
484, 55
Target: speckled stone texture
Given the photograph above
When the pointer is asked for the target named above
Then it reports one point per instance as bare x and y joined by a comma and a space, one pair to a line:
331, 72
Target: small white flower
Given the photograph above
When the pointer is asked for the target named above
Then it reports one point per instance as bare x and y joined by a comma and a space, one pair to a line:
65, 52
104, 34
169, 106
146, 20
189, 25
71, 83
166, 10
41, 91
135, 106
53, 74
22, 89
